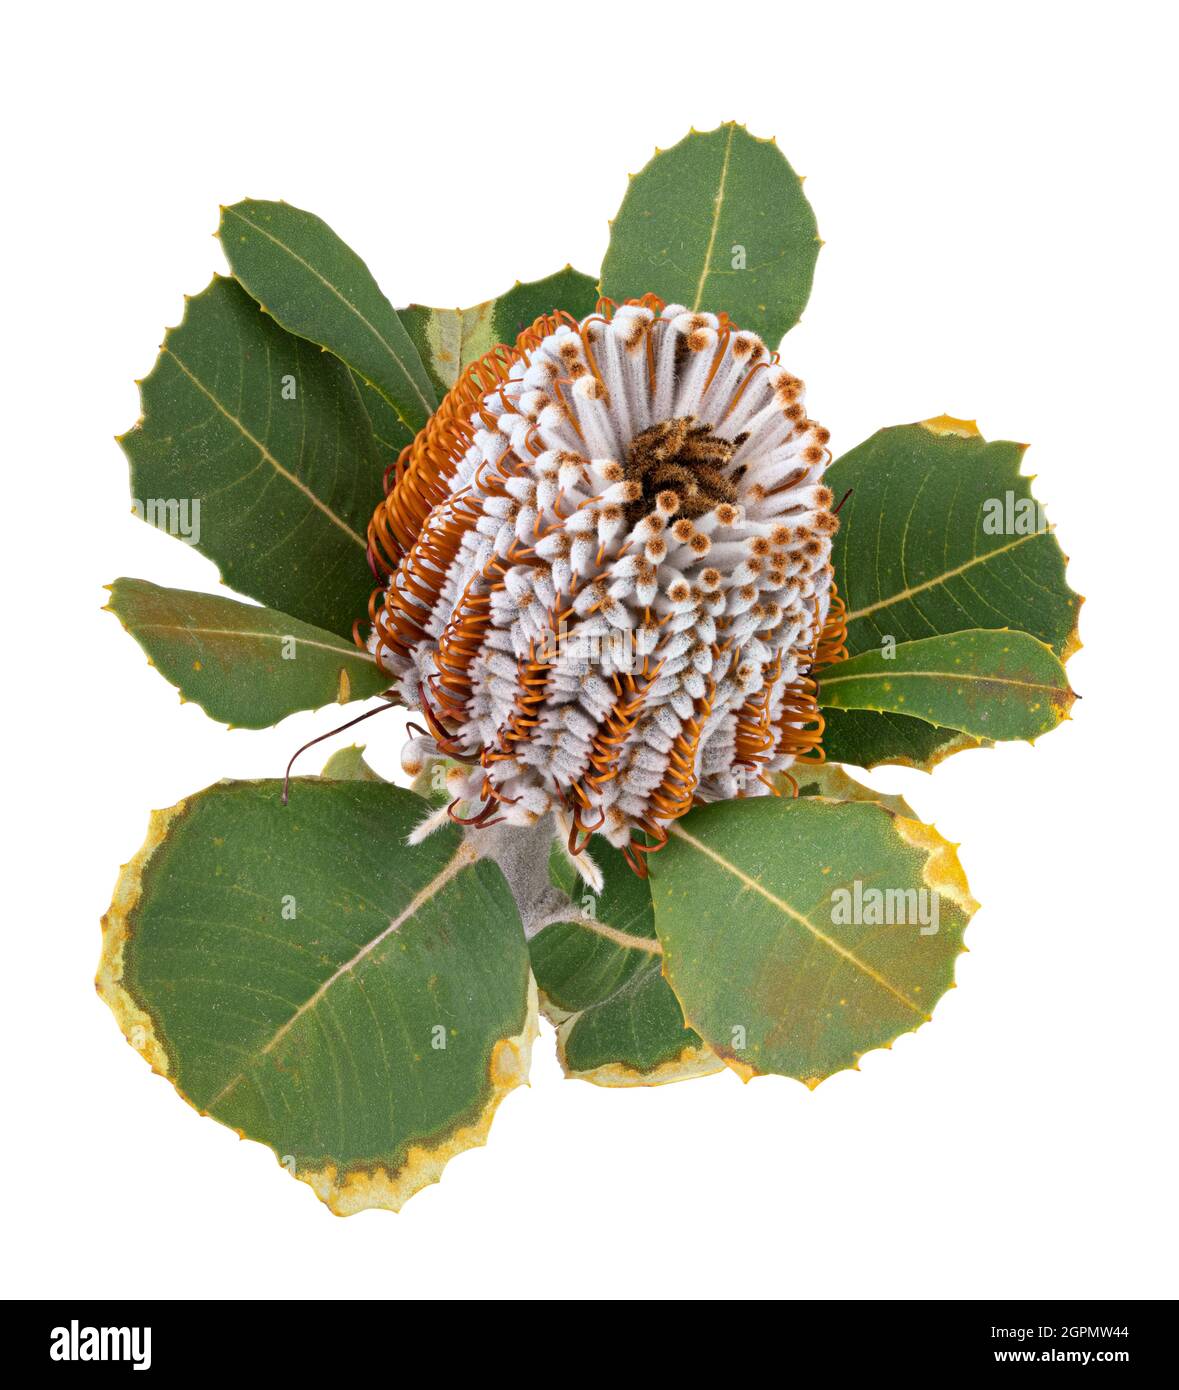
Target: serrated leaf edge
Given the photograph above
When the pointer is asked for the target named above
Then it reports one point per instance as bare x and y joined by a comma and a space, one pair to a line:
361, 1189
343, 681
135, 1023
941, 872
347, 1191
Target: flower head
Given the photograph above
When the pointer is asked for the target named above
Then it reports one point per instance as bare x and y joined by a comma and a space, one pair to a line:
608, 574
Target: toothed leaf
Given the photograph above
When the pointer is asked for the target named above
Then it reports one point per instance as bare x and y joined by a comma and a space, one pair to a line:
868, 739
718, 222
304, 978
390, 433
258, 440
316, 286
1001, 685
752, 904
940, 534
245, 666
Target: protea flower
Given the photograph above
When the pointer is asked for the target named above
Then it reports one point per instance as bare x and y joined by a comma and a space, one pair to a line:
608, 575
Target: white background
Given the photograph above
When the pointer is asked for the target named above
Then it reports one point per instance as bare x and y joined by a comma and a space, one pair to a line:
995, 185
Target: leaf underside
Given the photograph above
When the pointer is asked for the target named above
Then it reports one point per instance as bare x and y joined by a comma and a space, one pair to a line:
448, 340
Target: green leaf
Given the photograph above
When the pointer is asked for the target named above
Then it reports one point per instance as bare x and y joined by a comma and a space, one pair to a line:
307, 980
750, 899
313, 284
248, 667
1001, 685
601, 982
829, 780
867, 739
448, 340
277, 491
349, 765
930, 544
388, 430
718, 222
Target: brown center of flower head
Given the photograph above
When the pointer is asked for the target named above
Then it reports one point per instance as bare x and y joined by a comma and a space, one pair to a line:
685, 458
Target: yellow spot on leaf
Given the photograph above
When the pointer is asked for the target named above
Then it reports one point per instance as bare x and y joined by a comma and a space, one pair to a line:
948, 424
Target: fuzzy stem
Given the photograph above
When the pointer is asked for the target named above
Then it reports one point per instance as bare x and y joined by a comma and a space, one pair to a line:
522, 854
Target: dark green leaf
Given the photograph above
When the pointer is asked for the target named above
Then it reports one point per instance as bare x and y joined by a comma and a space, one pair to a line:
718, 222
995, 684
313, 284
277, 491
935, 539
832, 781
867, 739
601, 981
389, 432
304, 978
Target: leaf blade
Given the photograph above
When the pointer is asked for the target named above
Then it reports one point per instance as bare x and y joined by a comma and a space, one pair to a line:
317, 287
247, 667
717, 222
745, 899
313, 1034
448, 340
600, 977
984, 683
914, 558
281, 489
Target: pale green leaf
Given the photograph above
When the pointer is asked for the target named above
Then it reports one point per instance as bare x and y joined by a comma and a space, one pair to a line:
246, 666
799, 934
349, 765
448, 340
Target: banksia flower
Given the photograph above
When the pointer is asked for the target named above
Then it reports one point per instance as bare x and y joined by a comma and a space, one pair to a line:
606, 575
606, 572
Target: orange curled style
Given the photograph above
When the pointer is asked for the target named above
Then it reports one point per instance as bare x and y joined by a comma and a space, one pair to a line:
416, 533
